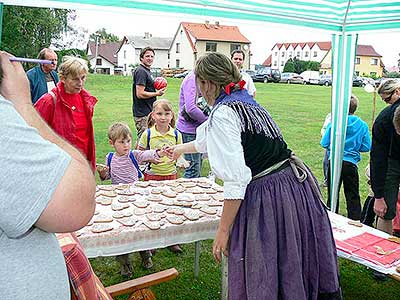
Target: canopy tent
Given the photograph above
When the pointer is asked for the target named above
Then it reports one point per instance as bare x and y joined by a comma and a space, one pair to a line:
343, 18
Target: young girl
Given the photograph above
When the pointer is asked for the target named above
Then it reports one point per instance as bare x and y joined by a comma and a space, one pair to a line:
122, 167
161, 133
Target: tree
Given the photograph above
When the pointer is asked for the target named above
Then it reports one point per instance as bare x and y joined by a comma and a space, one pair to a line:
27, 30
289, 66
103, 35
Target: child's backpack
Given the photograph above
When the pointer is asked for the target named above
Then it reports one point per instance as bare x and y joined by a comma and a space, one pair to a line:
131, 156
148, 137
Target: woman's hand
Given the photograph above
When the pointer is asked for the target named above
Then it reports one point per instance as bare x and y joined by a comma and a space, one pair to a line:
102, 170
173, 152
380, 207
220, 244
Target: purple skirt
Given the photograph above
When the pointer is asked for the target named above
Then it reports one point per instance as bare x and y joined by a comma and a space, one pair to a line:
281, 244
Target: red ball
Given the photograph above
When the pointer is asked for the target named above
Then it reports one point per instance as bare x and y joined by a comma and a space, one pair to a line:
160, 83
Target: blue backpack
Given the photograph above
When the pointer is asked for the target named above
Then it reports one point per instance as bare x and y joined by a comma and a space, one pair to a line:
131, 156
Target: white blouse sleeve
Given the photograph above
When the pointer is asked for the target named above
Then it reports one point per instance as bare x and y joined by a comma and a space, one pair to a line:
222, 142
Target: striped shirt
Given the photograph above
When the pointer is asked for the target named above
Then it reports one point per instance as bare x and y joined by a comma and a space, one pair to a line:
122, 168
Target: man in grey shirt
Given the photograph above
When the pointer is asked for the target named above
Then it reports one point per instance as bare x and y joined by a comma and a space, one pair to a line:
39, 194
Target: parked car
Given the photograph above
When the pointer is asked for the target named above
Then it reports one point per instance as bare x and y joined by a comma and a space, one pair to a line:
251, 73
367, 80
325, 79
267, 75
287, 77
310, 77
358, 81
182, 75
379, 81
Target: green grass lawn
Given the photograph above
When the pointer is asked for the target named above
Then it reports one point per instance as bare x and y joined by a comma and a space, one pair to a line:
299, 111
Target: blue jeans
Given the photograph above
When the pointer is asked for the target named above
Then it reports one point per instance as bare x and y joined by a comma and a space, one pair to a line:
195, 158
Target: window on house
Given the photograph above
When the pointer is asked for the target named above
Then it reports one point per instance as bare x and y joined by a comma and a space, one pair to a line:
372, 74
98, 61
290, 54
178, 62
275, 63
306, 54
169, 55
283, 54
374, 61
178, 46
315, 53
124, 67
124, 54
211, 47
235, 47
276, 53
282, 63
357, 60
298, 54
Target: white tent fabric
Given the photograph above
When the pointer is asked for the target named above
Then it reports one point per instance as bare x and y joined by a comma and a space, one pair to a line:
343, 18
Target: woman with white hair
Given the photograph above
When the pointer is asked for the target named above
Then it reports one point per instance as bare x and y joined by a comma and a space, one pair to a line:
68, 107
274, 227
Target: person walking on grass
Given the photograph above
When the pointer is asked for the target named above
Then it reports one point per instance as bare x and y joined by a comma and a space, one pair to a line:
357, 140
161, 133
122, 167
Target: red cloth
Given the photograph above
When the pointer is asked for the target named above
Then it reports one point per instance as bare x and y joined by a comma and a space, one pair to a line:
84, 283
81, 124
60, 117
148, 177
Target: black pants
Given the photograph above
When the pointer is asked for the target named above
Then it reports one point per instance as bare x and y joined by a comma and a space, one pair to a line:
349, 177
368, 215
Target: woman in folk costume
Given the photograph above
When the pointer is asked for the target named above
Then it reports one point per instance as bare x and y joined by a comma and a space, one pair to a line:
274, 227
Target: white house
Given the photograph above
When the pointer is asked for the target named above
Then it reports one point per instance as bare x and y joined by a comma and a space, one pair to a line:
106, 60
130, 47
192, 40
282, 52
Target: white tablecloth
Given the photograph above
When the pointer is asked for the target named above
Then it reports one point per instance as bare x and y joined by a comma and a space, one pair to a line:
124, 239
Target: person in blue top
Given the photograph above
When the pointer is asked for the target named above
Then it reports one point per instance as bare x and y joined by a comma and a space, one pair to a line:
357, 140
43, 78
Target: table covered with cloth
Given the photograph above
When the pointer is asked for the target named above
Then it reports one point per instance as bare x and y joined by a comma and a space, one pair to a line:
152, 214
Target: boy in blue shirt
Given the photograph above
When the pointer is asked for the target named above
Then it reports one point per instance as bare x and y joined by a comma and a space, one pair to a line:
357, 140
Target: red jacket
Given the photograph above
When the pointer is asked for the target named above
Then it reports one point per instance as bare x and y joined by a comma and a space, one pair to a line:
59, 117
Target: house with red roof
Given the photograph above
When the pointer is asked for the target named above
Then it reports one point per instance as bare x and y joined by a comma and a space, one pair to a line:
192, 40
368, 61
106, 61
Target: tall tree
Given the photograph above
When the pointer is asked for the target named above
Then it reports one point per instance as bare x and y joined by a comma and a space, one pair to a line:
27, 30
103, 35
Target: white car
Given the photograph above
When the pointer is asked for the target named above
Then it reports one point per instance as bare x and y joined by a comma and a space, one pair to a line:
310, 77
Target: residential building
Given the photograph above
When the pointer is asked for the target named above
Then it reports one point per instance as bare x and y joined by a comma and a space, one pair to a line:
129, 51
192, 40
368, 61
106, 60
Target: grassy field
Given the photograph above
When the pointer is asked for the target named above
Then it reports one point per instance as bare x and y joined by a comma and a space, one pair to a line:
299, 111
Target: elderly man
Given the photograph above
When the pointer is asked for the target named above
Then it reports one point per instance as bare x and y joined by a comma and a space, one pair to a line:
237, 57
39, 195
43, 78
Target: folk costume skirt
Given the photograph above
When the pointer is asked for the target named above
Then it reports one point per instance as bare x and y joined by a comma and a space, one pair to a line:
281, 244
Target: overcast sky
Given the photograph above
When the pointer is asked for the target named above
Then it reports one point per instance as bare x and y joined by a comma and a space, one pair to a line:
262, 35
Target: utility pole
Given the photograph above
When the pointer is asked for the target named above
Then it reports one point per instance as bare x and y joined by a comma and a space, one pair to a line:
96, 52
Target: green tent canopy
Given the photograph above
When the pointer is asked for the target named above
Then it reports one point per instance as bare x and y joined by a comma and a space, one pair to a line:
344, 19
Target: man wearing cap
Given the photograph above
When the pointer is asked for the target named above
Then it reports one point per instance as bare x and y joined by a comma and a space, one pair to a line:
43, 78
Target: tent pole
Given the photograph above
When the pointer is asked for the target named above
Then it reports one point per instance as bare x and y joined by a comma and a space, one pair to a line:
1, 21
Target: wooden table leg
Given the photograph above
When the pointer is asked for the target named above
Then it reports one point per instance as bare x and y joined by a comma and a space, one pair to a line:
196, 259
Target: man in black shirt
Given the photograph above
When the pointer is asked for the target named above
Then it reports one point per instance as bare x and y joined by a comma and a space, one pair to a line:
144, 93
385, 157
